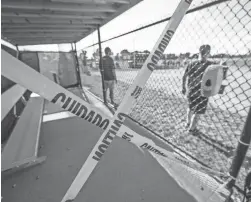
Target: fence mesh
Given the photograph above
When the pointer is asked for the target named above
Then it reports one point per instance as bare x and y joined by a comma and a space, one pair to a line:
162, 107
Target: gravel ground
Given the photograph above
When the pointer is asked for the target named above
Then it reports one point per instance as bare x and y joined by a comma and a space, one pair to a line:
163, 111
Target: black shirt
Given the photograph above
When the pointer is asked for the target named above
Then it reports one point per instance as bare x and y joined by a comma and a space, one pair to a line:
109, 68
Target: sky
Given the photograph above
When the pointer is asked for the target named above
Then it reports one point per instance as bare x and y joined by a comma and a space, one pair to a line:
226, 27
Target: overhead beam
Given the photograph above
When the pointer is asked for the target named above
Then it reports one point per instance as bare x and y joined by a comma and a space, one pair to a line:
27, 43
46, 21
24, 25
38, 34
44, 40
51, 6
77, 36
94, 1
53, 37
25, 30
24, 42
11, 15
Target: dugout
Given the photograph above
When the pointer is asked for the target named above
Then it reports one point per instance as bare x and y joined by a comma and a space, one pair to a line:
65, 138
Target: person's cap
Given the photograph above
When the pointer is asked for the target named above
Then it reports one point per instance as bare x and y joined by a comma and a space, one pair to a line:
205, 49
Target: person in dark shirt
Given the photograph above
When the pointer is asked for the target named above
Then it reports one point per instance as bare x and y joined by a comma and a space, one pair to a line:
197, 104
109, 74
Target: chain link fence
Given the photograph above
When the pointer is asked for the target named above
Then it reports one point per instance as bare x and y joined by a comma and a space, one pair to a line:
162, 107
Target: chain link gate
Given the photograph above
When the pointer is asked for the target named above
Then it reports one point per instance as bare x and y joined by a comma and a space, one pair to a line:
162, 107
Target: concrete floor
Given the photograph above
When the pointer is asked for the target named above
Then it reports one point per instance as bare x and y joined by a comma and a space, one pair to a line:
123, 174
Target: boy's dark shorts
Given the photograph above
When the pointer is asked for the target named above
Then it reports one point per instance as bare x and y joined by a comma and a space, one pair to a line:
198, 104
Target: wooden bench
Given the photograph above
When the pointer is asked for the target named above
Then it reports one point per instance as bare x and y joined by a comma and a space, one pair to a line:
21, 149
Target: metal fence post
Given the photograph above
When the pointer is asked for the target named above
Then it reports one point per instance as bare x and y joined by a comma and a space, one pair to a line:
241, 151
101, 65
77, 65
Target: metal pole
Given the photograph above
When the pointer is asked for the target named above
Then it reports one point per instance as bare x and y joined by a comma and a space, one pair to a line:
241, 151
72, 47
101, 65
77, 66
78, 73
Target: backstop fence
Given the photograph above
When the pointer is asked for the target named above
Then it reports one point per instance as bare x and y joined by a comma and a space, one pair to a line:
161, 107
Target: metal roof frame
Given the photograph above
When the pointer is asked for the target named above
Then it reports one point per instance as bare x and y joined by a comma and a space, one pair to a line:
37, 22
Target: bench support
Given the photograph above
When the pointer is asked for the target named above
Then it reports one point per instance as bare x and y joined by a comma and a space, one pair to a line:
22, 147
